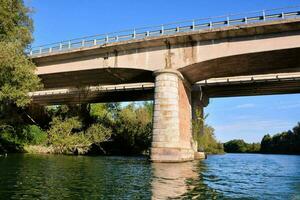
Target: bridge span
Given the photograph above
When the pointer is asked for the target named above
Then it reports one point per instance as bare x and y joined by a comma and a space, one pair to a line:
179, 68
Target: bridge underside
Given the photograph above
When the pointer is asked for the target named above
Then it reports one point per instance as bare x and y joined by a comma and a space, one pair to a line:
277, 61
104, 94
287, 83
103, 76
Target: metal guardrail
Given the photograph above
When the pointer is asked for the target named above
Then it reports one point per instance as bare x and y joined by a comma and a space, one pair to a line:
168, 29
103, 89
279, 77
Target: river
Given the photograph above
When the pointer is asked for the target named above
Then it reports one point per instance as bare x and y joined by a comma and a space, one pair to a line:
230, 176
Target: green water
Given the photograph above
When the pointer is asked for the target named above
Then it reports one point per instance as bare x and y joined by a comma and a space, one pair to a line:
230, 176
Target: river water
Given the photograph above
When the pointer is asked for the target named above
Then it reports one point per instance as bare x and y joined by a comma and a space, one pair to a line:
230, 176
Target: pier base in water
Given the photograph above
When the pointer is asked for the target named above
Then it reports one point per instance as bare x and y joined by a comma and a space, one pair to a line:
199, 155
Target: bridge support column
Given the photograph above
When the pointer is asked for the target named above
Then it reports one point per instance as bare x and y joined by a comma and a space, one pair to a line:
172, 131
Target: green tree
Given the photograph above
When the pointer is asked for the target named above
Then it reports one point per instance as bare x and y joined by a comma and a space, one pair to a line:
17, 76
240, 146
133, 129
67, 136
287, 142
207, 141
204, 135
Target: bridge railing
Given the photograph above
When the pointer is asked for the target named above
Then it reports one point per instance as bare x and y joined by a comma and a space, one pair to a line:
168, 29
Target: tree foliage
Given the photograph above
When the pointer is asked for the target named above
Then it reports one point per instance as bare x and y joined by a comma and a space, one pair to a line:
208, 143
287, 142
17, 76
16, 25
67, 136
204, 135
131, 126
240, 146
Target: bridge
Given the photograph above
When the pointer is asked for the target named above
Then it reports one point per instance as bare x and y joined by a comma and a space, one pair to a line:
179, 66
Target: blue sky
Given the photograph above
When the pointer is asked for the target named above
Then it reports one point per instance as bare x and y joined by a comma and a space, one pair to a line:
248, 118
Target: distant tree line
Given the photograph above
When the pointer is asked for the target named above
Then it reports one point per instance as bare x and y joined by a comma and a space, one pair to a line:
240, 146
287, 142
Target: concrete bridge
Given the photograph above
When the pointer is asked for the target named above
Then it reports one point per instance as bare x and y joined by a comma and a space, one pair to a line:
179, 68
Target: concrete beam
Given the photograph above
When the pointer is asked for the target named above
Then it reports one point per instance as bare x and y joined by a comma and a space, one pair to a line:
281, 83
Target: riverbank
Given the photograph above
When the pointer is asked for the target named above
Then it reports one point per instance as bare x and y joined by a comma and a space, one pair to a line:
38, 149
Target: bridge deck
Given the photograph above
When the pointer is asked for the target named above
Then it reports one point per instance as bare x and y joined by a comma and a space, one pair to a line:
194, 25
281, 83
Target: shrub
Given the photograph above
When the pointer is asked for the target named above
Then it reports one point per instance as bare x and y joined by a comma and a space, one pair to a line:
34, 135
67, 136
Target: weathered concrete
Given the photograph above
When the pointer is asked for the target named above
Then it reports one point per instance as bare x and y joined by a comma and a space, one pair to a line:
172, 134
200, 155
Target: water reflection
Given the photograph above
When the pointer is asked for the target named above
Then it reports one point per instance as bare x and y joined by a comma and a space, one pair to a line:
180, 181
170, 179
230, 176
74, 177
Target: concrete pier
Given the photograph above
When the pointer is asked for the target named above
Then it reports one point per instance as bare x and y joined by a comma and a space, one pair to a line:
172, 131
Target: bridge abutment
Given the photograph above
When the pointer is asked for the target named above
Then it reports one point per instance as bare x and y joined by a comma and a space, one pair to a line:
172, 128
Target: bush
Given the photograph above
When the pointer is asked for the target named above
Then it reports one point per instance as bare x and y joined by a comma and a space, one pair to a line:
34, 135
133, 130
8, 140
97, 133
68, 137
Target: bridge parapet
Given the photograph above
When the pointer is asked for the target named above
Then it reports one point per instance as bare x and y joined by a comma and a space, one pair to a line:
167, 29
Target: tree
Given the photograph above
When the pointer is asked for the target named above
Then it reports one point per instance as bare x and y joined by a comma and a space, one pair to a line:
68, 136
204, 135
17, 76
240, 146
287, 142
